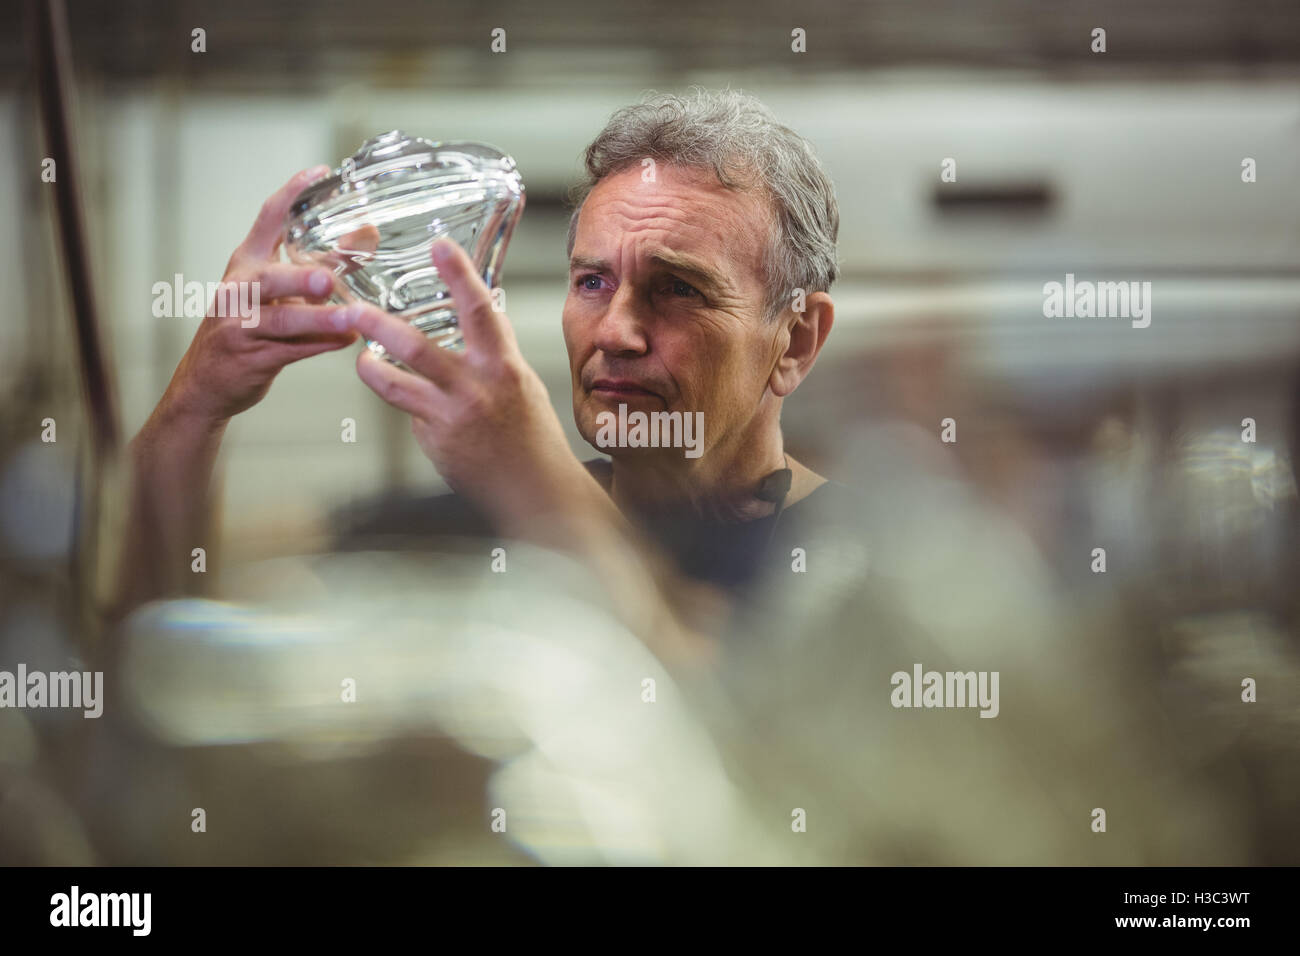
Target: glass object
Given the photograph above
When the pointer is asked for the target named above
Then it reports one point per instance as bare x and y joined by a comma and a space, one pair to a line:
372, 223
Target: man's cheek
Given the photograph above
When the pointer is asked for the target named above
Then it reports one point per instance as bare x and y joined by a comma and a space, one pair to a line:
574, 344
571, 321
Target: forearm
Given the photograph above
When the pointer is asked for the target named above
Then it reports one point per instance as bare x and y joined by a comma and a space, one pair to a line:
671, 614
170, 507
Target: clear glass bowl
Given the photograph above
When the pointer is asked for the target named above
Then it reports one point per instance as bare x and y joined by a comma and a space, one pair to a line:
373, 221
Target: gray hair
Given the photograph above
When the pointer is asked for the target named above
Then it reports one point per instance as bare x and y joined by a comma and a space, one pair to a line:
738, 138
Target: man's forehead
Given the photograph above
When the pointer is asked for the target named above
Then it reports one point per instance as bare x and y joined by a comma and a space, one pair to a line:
682, 218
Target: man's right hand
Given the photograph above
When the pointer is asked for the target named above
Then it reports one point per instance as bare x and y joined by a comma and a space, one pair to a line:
228, 368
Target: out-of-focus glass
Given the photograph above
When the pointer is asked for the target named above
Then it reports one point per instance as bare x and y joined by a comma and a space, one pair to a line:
373, 220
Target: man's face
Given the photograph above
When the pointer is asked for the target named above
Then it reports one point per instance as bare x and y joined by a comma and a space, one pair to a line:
666, 301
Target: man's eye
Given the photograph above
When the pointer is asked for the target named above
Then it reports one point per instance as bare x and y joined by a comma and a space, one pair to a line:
678, 287
590, 282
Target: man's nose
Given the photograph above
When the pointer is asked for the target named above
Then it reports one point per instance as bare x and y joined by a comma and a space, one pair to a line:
621, 330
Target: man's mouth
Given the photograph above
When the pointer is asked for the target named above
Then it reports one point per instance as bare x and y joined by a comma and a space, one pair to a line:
620, 388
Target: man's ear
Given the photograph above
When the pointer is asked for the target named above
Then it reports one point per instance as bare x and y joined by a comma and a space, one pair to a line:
804, 335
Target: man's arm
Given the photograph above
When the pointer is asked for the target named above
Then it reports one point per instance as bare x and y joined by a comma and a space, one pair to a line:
228, 368
170, 511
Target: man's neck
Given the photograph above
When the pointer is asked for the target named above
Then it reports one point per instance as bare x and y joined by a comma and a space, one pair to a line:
713, 487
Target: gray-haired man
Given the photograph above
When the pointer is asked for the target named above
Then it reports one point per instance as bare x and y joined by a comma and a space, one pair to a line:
701, 256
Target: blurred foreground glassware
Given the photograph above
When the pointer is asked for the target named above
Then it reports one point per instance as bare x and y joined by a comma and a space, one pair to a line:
373, 221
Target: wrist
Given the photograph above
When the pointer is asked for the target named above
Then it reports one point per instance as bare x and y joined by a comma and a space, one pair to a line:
178, 435
179, 410
562, 496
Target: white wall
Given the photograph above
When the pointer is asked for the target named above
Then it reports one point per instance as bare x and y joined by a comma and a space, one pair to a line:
1148, 179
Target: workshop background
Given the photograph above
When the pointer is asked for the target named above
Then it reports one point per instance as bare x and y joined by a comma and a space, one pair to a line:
1074, 434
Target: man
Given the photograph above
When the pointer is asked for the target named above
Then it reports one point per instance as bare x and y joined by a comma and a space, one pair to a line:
701, 255
684, 276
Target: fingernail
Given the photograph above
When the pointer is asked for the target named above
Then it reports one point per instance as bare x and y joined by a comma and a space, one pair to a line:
340, 318
316, 172
320, 282
441, 252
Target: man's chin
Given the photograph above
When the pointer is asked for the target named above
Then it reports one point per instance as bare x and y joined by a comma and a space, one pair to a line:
589, 410
602, 421
645, 460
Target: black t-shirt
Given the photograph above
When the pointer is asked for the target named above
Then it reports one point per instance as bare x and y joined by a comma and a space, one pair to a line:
735, 556
738, 556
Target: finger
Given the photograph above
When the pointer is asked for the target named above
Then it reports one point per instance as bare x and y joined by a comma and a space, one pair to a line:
404, 342
485, 329
289, 352
264, 237
288, 321
402, 389
279, 279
